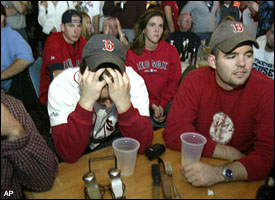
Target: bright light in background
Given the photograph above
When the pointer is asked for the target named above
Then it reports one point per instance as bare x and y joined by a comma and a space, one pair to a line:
236, 3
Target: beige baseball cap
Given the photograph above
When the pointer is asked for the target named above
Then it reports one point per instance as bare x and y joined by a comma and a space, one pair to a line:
230, 34
101, 49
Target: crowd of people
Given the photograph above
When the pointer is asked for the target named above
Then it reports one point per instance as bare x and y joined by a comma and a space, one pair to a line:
114, 69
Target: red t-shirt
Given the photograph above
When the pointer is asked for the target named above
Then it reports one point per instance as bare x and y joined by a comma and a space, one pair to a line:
175, 11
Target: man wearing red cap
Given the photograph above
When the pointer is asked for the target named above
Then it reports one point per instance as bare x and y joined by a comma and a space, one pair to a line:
232, 105
62, 50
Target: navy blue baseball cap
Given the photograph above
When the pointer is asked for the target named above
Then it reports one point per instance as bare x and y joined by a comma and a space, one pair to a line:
68, 14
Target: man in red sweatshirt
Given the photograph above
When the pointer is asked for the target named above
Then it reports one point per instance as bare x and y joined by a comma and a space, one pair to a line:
232, 105
62, 50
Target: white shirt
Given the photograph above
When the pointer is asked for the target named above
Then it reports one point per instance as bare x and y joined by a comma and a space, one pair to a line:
263, 60
64, 94
249, 21
51, 16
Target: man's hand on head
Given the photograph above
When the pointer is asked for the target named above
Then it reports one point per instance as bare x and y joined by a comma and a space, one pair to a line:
119, 89
91, 88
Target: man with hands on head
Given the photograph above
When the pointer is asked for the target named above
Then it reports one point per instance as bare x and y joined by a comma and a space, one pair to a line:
109, 86
232, 105
87, 105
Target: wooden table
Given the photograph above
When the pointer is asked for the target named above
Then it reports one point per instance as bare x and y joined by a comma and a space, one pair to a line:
69, 183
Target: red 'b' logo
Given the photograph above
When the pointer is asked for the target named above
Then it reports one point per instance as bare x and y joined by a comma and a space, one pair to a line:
238, 28
108, 45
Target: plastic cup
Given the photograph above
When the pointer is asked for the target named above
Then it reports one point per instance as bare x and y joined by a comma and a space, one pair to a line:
191, 147
125, 150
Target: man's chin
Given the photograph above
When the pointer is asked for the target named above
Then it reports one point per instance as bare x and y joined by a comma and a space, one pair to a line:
74, 39
106, 103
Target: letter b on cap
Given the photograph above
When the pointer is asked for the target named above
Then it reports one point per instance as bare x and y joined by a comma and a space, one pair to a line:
108, 45
238, 28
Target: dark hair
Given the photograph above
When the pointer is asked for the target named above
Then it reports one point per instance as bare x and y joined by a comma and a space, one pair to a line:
107, 65
83, 66
216, 50
139, 41
222, 3
3, 10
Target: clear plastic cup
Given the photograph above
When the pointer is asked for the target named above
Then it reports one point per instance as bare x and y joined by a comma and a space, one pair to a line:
191, 147
125, 150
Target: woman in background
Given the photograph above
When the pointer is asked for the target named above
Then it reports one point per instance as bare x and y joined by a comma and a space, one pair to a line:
157, 62
86, 26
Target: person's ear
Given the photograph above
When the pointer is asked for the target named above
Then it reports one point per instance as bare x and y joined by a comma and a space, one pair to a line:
62, 27
79, 77
212, 61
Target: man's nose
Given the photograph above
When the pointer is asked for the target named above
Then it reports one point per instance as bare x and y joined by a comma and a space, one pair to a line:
241, 61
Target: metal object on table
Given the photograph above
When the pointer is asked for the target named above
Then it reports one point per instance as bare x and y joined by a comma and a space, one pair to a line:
97, 159
169, 172
156, 181
91, 187
116, 183
93, 190
166, 187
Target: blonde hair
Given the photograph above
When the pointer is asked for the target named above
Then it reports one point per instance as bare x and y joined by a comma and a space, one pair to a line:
228, 18
85, 18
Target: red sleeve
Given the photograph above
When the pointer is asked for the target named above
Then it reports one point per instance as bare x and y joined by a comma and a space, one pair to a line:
132, 124
175, 11
260, 160
72, 139
174, 75
51, 55
182, 116
153, 101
